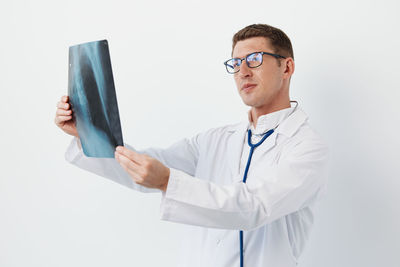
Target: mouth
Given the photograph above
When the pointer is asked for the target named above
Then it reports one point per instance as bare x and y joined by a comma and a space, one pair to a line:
248, 86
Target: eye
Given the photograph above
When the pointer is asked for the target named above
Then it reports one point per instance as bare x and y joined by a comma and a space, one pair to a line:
254, 57
235, 62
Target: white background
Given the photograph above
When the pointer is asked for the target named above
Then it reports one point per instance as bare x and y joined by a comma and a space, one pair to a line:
347, 64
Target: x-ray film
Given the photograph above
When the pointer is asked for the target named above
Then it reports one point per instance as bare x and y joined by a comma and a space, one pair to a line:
93, 100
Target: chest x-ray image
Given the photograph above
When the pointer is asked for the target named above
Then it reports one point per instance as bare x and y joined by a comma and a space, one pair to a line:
93, 100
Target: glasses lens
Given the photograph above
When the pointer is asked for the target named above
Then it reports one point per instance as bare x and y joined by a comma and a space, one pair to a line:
254, 60
233, 65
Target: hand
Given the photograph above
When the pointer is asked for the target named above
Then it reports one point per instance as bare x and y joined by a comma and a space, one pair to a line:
143, 169
63, 117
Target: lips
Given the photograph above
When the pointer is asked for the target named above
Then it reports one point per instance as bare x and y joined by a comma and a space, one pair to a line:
248, 86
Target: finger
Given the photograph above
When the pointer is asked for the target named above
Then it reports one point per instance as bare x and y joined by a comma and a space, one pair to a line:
60, 119
137, 157
133, 173
63, 112
135, 176
63, 105
64, 98
128, 163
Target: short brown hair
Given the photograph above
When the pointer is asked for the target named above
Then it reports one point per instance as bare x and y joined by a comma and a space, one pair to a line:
279, 40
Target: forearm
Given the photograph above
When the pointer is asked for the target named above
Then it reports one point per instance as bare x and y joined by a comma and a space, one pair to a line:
105, 167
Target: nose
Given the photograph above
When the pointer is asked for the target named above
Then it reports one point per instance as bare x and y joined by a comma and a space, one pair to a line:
245, 71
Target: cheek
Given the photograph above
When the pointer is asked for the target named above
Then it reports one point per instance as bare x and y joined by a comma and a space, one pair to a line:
261, 79
267, 79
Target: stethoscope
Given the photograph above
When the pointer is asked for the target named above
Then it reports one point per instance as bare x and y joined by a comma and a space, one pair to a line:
252, 147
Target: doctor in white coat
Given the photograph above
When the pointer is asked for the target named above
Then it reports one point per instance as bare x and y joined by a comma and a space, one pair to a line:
248, 206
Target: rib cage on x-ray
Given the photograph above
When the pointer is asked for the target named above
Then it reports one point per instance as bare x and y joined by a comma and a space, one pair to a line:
93, 99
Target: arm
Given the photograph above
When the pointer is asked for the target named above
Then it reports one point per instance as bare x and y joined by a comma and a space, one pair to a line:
296, 179
182, 155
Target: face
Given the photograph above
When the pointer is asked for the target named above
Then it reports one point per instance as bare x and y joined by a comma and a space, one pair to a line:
264, 86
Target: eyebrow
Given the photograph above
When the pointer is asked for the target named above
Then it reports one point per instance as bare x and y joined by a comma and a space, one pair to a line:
244, 55
257, 51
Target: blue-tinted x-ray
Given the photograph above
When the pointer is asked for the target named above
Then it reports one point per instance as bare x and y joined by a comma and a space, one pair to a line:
93, 101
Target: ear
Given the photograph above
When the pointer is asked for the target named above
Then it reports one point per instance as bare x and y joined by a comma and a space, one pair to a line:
288, 67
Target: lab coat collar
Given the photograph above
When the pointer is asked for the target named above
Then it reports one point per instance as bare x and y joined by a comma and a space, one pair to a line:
287, 127
268, 121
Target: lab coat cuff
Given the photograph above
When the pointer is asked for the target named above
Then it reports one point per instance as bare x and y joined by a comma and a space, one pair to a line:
173, 191
73, 152
175, 178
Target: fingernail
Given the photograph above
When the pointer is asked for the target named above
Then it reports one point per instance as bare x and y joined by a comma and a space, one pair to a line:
119, 149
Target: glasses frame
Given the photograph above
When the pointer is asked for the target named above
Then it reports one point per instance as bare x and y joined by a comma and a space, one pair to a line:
247, 62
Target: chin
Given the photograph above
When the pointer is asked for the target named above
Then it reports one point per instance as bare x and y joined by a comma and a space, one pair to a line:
249, 103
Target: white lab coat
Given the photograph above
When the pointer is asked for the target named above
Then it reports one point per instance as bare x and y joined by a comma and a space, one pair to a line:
274, 207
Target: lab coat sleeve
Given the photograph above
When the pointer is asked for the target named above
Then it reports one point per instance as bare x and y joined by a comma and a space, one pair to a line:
182, 155
286, 188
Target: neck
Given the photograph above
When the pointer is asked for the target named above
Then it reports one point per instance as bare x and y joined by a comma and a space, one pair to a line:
256, 112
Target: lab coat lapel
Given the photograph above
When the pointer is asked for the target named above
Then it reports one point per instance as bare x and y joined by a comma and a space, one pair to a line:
292, 123
269, 143
235, 147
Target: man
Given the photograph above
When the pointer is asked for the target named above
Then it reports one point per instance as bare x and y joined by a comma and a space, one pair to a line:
251, 186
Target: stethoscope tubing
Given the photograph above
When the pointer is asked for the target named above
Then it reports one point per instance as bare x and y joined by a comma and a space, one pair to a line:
252, 147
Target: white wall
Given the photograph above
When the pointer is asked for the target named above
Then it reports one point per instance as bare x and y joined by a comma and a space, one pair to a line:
53, 214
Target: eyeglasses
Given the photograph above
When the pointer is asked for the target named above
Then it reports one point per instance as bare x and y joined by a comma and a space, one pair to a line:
253, 60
